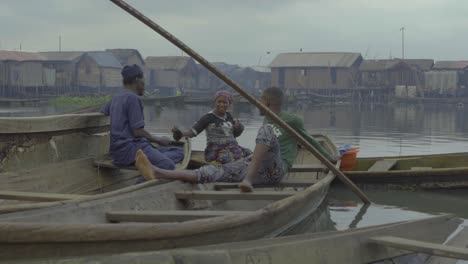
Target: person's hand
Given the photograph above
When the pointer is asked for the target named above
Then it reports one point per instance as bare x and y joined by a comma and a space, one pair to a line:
164, 141
176, 133
237, 124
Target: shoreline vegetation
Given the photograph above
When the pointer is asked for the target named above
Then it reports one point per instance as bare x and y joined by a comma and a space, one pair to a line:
80, 101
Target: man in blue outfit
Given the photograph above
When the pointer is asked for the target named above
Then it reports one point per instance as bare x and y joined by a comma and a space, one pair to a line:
127, 126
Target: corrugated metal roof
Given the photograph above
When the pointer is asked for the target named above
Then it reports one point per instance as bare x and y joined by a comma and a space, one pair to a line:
123, 54
423, 64
19, 56
104, 59
451, 65
225, 67
167, 62
260, 69
315, 59
378, 65
62, 56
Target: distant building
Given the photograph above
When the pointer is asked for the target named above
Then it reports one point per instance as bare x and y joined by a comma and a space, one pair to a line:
315, 70
250, 78
128, 56
22, 73
448, 78
64, 64
98, 71
387, 74
171, 73
422, 64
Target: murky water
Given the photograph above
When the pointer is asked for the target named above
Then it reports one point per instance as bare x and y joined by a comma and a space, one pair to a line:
377, 130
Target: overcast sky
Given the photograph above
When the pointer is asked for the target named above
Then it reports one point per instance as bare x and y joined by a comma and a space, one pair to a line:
241, 31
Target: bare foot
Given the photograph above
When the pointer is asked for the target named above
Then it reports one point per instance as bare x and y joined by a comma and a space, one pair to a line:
246, 186
144, 165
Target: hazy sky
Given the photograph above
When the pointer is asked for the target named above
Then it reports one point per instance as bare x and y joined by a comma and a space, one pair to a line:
240, 31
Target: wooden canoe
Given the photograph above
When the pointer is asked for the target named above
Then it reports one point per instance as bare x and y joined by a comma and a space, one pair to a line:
86, 178
168, 215
423, 171
30, 142
351, 246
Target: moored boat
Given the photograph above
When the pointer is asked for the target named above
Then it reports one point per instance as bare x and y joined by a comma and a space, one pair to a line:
168, 215
350, 246
418, 171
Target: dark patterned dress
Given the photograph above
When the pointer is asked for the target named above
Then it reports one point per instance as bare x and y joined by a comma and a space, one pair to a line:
222, 146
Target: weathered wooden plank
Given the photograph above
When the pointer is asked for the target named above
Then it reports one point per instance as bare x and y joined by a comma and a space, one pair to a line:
422, 247
40, 197
165, 216
12, 125
285, 183
308, 168
421, 168
233, 195
383, 165
301, 249
459, 240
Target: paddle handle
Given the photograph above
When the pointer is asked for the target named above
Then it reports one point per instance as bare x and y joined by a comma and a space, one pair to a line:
145, 20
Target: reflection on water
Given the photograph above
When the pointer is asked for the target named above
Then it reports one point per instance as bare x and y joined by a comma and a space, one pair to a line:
376, 130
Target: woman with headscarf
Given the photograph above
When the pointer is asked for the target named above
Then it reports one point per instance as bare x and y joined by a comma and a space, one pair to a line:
221, 132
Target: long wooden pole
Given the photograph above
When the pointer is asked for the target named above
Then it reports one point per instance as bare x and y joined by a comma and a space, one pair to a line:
145, 20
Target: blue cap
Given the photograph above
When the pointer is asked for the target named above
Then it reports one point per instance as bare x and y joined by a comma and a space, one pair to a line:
131, 71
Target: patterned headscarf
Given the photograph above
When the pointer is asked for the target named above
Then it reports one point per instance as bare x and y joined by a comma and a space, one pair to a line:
225, 94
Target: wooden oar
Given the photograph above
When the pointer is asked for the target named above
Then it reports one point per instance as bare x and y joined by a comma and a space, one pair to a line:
132, 11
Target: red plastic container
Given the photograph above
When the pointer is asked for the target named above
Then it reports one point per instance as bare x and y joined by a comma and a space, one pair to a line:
348, 160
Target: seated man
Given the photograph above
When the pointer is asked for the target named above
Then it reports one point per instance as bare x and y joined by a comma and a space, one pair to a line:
127, 132
274, 153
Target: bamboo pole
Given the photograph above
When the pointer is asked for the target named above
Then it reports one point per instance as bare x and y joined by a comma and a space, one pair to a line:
145, 20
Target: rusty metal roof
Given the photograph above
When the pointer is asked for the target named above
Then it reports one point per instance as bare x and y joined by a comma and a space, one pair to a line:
377, 65
7, 55
423, 64
315, 59
167, 62
451, 65
62, 55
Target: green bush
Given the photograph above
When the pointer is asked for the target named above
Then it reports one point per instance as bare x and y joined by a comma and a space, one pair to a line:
80, 101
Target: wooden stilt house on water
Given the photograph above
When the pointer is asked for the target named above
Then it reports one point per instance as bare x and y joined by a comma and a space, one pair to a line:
448, 78
128, 56
98, 72
22, 73
393, 75
65, 65
307, 71
251, 78
169, 74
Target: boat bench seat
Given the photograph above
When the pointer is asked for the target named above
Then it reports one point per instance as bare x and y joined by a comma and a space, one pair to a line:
383, 165
233, 195
161, 216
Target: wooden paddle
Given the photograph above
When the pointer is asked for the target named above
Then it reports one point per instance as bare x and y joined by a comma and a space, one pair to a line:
145, 20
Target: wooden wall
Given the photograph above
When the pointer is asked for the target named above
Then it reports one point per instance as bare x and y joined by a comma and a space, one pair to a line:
316, 78
88, 73
111, 77
26, 74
